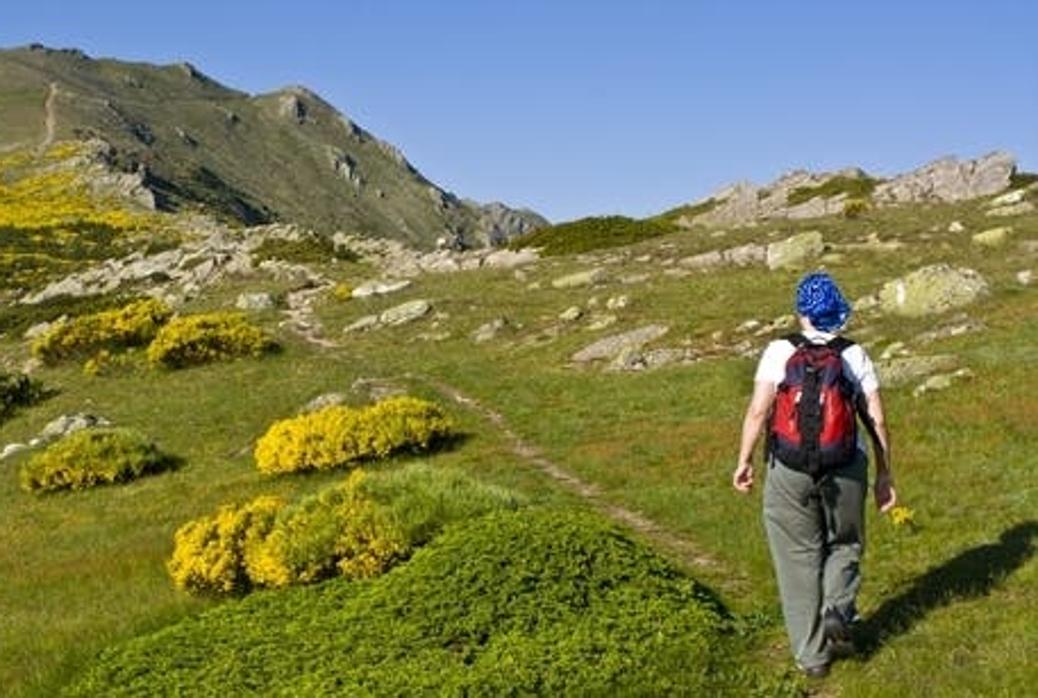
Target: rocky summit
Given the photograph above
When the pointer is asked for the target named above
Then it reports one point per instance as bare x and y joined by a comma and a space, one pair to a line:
178, 139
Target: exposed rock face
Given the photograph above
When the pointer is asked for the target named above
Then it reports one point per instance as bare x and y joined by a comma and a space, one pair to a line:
949, 179
610, 347
930, 290
497, 224
795, 251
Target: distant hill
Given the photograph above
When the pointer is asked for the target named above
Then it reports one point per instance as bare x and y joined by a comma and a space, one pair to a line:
287, 155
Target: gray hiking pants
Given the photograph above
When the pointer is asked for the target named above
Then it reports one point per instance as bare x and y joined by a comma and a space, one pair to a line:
816, 535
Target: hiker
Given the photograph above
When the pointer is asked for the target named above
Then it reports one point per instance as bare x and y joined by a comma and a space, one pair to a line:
814, 493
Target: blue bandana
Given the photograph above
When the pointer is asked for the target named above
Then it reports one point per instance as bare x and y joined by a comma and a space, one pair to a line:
820, 300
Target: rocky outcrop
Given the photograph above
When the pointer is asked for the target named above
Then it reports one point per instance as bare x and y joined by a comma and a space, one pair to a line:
930, 290
610, 347
949, 179
795, 251
496, 223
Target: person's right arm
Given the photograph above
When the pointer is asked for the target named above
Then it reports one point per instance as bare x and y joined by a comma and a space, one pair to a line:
886, 496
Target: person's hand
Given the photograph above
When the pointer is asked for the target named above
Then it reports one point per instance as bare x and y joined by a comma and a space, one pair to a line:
886, 496
742, 478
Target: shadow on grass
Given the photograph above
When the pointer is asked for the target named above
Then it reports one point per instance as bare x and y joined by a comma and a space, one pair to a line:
970, 574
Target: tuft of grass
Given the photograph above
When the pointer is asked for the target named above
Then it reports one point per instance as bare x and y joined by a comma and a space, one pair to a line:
854, 187
593, 233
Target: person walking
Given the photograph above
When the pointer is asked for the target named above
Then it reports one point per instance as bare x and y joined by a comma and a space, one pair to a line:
808, 391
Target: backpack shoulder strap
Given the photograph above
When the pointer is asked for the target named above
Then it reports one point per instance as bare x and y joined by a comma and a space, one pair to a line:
839, 344
796, 339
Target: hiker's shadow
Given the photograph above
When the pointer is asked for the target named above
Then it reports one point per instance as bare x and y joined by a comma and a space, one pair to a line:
969, 574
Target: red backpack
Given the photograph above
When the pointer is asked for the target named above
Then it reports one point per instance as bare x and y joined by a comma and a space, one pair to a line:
813, 423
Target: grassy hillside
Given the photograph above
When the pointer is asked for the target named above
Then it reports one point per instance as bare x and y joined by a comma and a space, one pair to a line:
87, 600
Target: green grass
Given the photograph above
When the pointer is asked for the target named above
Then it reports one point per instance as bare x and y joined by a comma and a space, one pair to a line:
688, 212
594, 233
84, 572
853, 187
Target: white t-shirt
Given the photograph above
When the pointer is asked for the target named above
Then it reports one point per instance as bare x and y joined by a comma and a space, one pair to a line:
857, 366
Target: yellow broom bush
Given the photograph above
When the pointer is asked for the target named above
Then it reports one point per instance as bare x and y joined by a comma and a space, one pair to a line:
338, 435
209, 552
130, 326
206, 337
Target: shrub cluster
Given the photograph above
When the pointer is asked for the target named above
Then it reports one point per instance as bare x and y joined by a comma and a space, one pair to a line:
197, 339
130, 326
354, 529
534, 602
93, 457
593, 233
17, 390
855, 208
854, 187
308, 249
335, 436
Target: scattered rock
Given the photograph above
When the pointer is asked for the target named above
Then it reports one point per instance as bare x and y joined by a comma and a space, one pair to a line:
610, 347
956, 227
1013, 210
11, 449
1025, 277
932, 289
376, 389
322, 401
993, 237
893, 349
1008, 199
380, 288
618, 302
676, 273
590, 277
405, 312
633, 279
490, 330
40, 328
254, 301
795, 251
509, 259
368, 322
900, 370
600, 322
70, 423
571, 314
748, 326
636, 359
941, 381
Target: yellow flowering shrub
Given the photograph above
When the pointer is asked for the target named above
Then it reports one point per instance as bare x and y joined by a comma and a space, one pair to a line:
338, 531
132, 325
338, 435
209, 552
93, 457
206, 337
342, 292
902, 516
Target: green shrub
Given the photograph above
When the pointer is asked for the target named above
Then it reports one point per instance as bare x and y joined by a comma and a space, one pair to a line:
130, 326
363, 526
17, 390
209, 552
206, 337
854, 187
93, 457
336, 436
309, 249
535, 602
593, 233
855, 208
15, 318
1019, 180
690, 211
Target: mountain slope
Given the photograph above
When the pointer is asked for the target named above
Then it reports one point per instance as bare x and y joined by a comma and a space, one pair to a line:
286, 155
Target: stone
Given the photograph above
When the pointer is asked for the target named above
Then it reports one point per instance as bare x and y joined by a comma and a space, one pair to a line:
380, 288
405, 312
956, 227
610, 347
40, 328
571, 314
1008, 199
795, 251
948, 179
1019, 209
618, 302
676, 273
11, 449
70, 423
993, 237
706, 260
748, 326
254, 301
932, 289
509, 259
893, 349
941, 381
1025, 277
745, 255
590, 277
600, 322
633, 279
489, 330
368, 322
322, 401
904, 369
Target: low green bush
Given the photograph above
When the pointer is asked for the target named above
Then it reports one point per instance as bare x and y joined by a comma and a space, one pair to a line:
594, 233
309, 249
93, 457
534, 602
337, 436
854, 187
190, 340
17, 390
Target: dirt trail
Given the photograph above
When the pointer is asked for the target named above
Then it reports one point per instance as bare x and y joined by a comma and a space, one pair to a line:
686, 550
50, 120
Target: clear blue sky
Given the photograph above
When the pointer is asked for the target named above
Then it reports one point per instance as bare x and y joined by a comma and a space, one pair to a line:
593, 107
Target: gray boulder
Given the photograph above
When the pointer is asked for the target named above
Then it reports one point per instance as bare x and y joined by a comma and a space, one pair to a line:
900, 370
795, 251
380, 288
610, 347
405, 312
993, 237
581, 278
70, 423
254, 301
368, 322
932, 289
949, 179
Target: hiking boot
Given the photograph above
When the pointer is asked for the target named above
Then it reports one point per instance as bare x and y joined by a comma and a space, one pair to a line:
816, 672
837, 633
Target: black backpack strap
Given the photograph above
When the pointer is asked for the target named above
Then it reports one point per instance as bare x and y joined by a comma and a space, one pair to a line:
796, 339
839, 344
